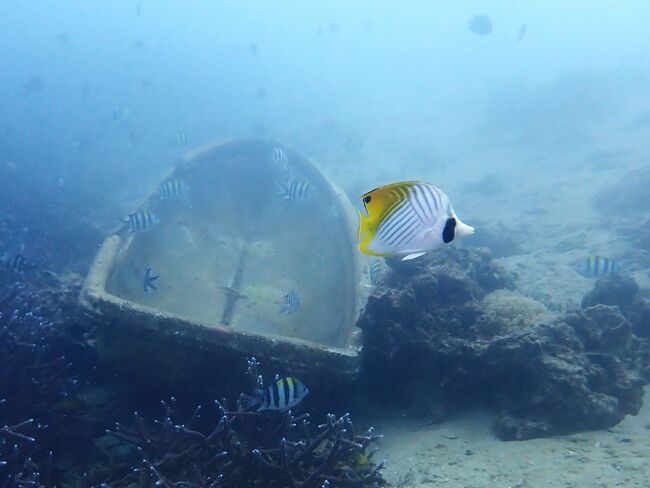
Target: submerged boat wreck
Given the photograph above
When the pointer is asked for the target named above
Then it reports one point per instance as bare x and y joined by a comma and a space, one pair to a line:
255, 253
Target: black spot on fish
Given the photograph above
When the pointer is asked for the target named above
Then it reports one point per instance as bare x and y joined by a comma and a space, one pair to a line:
367, 199
449, 232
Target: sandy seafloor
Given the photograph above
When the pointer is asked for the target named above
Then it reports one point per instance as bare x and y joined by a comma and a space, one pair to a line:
465, 453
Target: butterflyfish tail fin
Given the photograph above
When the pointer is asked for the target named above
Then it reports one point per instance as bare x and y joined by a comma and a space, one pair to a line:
463, 230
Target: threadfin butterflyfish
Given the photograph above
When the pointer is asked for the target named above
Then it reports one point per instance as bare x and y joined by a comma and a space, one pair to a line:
408, 219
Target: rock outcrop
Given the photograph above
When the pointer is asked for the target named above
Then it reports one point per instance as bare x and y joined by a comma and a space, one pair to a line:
448, 334
622, 291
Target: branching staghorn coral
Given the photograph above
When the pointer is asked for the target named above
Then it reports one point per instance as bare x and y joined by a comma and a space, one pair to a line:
248, 449
33, 379
17, 469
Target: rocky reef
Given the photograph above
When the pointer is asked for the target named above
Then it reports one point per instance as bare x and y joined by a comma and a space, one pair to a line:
449, 332
618, 290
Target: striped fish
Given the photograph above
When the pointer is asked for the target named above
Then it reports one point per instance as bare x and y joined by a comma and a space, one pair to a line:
283, 394
377, 272
141, 220
408, 219
286, 174
294, 190
181, 138
280, 158
172, 189
352, 143
16, 263
596, 266
290, 303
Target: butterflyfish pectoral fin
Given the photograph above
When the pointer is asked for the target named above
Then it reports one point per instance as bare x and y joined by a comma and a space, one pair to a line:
414, 255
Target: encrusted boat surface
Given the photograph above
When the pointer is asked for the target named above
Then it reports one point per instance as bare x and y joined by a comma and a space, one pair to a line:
228, 249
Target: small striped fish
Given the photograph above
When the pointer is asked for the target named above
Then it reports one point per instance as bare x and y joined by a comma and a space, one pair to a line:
294, 190
172, 189
352, 143
181, 138
377, 272
283, 394
595, 266
408, 219
141, 220
290, 303
16, 263
279, 157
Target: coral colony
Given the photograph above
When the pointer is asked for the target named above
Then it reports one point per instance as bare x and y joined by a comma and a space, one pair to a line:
246, 449
33, 378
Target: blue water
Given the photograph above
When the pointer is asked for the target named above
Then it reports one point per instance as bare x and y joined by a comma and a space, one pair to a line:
528, 129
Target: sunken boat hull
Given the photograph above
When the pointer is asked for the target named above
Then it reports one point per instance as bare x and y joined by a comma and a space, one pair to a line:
227, 253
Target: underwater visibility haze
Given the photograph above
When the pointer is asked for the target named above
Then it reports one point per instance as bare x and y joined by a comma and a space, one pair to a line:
324, 244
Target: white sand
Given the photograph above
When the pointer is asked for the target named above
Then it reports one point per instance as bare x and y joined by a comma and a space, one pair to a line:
464, 452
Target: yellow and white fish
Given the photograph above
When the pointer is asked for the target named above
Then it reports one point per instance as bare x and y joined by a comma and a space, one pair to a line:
408, 219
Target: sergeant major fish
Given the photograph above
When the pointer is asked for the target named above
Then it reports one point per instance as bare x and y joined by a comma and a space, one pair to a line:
279, 157
290, 303
596, 266
408, 219
181, 138
141, 220
172, 189
149, 280
15, 263
352, 143
377, 272
282, 394
294, 190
